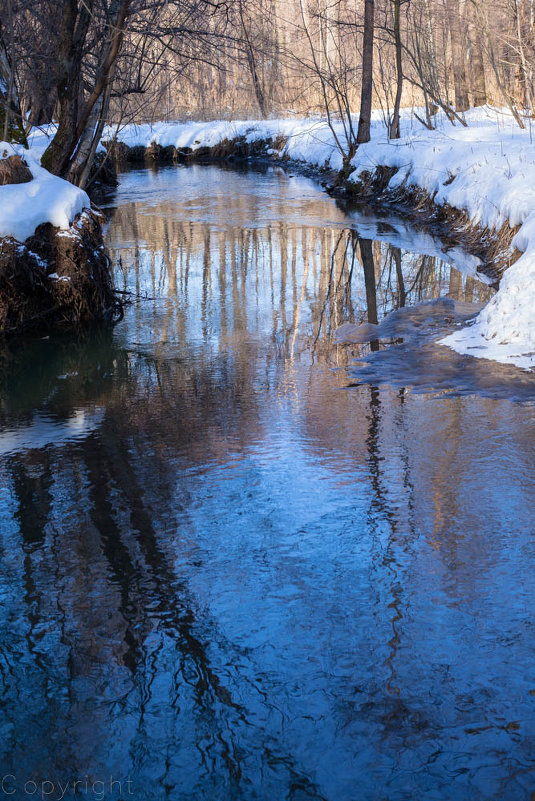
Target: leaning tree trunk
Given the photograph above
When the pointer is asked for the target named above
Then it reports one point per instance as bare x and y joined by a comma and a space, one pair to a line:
85, 144
363, 133
253, 69
257, 83
97, 136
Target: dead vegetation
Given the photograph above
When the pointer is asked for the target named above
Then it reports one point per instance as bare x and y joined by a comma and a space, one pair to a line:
13, 170
56, 279
453, 226
226, 150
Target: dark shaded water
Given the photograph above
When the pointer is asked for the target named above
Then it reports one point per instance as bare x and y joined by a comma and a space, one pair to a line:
224, 574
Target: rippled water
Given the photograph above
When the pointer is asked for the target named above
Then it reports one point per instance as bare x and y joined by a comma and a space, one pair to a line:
227, 573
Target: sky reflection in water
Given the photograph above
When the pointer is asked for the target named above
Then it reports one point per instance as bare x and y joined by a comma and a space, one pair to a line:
226, 575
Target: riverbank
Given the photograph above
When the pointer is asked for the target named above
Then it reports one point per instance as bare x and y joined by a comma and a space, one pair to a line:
476, 184
54, 269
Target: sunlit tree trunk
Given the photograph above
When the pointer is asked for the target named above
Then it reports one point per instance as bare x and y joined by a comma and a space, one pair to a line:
462, 102
524, 70
363, 133
252, 61
479, 83
395, 131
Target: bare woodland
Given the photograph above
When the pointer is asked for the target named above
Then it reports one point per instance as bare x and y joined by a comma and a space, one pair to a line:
82, 63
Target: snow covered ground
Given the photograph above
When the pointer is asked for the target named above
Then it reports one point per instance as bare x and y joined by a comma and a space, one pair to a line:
486, 169
47, 198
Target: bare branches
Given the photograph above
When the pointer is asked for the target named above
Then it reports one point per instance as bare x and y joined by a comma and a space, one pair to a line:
84, 62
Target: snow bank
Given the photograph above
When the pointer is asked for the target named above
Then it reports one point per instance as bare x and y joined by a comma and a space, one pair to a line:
487, 170
45, 199
308, 140
505, 329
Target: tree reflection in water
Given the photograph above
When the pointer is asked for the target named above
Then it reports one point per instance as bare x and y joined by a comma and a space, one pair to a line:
227, 579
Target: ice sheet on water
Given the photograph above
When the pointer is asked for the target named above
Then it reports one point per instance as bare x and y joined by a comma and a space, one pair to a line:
409, 354
422, 320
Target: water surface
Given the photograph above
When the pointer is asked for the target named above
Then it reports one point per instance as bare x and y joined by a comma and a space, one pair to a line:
228, 573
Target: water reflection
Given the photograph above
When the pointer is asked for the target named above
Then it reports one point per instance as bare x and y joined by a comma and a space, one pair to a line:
239, 579
277, 261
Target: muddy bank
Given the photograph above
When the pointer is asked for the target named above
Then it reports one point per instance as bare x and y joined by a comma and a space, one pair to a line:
59, 276
56, 279
453, 226
237, 149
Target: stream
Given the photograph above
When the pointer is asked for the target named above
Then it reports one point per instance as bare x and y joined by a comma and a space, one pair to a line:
244, 561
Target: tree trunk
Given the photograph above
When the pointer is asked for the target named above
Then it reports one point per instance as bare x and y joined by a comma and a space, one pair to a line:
497, 67
363, 133
479, 84
462, 102
524, 70
104, 105
117, 15
75, 115
85, 143
11, 127
395, 131
253, 69
257, 84
74, 26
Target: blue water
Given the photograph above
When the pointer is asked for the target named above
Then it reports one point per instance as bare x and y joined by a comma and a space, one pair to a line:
227, 573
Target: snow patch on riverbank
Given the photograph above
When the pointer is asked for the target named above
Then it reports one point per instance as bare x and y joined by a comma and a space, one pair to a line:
45, 199
486, 169
505, 329
308, 140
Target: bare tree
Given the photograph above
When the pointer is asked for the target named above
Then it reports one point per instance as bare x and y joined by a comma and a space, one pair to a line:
458, 46
394, 131
11, 128
363, 133
76, 111
479, 81
83, 63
